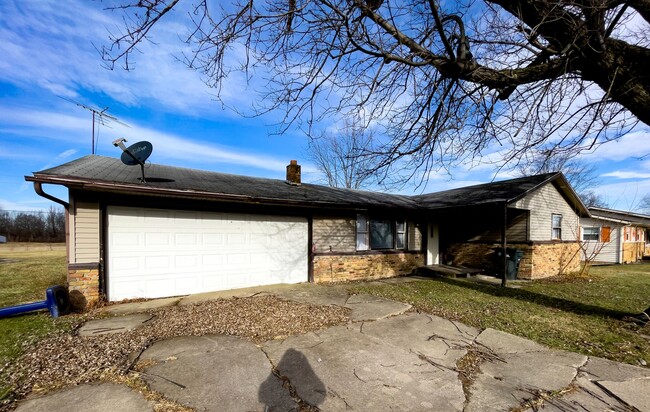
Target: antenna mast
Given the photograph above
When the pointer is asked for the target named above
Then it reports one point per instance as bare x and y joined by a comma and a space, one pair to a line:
100, 116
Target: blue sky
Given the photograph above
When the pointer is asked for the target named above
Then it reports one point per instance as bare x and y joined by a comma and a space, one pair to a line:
48, 51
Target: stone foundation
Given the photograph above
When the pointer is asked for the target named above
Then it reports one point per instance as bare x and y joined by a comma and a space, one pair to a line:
333, 268
552, 259
633, 251
83, 284
540, 260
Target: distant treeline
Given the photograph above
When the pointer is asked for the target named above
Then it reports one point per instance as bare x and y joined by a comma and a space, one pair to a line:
19, 226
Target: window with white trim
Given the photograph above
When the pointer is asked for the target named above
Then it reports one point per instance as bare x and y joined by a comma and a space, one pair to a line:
556, 226
591, 233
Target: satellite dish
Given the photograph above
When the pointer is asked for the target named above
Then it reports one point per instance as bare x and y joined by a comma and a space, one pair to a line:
137, 153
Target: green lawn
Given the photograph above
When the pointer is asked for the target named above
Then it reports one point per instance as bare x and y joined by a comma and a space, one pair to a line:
584, 315
26, 270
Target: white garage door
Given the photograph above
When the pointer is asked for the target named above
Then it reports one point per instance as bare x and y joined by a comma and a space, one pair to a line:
155, 253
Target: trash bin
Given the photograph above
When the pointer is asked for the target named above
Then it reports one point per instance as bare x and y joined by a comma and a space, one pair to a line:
514, 257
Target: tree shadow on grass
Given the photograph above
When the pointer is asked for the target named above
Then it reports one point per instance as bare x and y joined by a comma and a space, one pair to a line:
537, 298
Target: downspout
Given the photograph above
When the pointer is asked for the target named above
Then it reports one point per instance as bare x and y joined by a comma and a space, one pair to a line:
504, 243
38, 188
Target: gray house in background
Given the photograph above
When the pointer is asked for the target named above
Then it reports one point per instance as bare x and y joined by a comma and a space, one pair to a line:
3, 239
189, 231
614, 236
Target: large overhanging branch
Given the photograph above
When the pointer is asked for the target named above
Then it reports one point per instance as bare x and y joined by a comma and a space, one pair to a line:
428, 77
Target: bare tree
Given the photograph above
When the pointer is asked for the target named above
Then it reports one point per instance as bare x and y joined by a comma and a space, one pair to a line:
644, 204
447, 81
342, 156
582, 175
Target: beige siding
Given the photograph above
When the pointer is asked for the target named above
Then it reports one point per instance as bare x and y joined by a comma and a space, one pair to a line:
598, 251
542, 204
86, 232
334, 234
414, 237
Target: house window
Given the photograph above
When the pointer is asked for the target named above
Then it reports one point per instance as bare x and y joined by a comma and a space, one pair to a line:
380, 234
556, 227
400, 234
362, 232
591, 233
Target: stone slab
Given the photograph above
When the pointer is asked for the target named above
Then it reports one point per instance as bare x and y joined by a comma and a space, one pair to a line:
136, 307
502, 342
587, 396
117, 324
367, 307
351, 370
215, 373
440, 340
518, 370
634, 392
89, 398
599, 369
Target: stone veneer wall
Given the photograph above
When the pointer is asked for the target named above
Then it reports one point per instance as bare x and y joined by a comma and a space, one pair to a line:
633, 251
333, 268
83, 283
540, 260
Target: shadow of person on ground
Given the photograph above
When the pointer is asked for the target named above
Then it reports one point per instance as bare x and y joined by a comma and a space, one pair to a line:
296, 376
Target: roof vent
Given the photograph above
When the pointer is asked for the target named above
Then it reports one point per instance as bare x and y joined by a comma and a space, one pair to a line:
293, 173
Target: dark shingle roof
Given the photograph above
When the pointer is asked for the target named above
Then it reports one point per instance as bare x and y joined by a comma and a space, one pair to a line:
495, 192
110, 174
633, 218
106, 173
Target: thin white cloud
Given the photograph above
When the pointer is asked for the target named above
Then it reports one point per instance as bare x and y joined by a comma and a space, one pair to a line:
627, 175
66, 60
631, 145
167, 146
623, 196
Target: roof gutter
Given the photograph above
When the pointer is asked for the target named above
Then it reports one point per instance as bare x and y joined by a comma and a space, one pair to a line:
38, 188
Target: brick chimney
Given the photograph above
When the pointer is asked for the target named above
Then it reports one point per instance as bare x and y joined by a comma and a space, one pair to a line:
293, 173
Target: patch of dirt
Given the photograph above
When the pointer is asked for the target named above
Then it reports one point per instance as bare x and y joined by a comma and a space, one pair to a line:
69, 359
469, 366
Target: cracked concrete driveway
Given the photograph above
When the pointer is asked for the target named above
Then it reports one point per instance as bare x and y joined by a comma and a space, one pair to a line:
386, 358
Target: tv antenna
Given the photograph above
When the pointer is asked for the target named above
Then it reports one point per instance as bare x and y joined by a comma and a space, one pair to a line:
136, 154
100, 117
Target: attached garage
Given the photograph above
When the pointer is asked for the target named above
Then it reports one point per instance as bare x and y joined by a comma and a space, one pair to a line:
156, 252
184, 231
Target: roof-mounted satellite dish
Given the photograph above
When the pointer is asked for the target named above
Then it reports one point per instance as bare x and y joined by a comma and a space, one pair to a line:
136, 154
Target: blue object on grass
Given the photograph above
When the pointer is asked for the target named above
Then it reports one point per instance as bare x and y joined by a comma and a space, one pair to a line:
57, 301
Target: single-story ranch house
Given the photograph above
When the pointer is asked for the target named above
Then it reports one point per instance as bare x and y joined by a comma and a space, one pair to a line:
186, 231
615, 236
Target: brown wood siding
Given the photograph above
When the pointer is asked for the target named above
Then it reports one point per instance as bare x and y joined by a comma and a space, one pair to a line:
485, 226
334, 234
544, 202
86, 232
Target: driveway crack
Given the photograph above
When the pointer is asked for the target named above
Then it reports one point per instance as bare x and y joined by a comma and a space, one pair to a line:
288, 386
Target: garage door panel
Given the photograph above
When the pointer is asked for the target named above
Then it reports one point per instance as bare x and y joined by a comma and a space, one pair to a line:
155, 253
157, 238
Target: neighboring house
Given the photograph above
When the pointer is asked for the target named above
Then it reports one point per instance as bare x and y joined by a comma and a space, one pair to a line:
188, 231
614, 236
3, 239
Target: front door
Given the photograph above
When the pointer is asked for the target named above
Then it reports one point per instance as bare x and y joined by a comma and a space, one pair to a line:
433, 245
